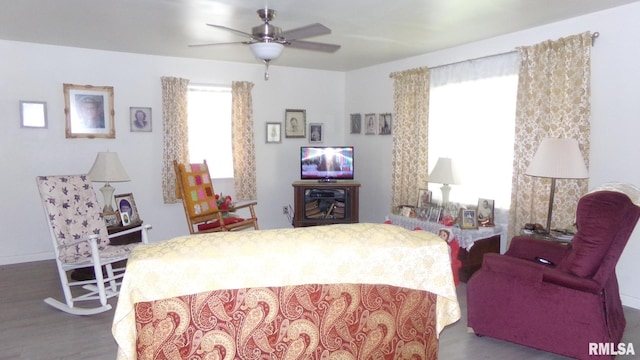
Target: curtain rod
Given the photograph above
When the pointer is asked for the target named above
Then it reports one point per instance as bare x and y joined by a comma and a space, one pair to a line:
594, 36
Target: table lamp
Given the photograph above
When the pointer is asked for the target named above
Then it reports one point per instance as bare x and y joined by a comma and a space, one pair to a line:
107, 168
557, 159
443, 174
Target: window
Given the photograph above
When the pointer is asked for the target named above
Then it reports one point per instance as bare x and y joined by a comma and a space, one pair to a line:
471, 120
209, 112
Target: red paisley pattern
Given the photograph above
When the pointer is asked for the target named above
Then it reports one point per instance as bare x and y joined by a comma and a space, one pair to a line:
341, 321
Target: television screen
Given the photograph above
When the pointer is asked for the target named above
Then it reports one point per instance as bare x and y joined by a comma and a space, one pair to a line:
326, 163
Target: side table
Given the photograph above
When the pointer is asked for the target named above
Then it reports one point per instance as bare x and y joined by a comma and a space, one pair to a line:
474, 243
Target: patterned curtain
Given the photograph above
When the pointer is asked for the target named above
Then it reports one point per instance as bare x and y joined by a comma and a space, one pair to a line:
176, 134
244, 156
410, 134
553, 101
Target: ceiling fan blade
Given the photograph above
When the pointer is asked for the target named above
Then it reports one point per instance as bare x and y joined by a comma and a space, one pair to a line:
306, 31
316, 46
233, 30
223, 43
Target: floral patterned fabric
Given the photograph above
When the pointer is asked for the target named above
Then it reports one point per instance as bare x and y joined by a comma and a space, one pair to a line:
74, 214
243, 144
334, 254
339, 321
175, 133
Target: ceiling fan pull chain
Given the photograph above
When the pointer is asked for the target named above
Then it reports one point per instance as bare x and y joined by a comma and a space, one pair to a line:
266, 70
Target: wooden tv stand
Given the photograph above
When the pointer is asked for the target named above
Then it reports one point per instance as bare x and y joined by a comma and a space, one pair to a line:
324, 203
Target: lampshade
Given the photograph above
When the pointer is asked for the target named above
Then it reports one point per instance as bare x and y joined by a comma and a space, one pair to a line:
107, 168
558, 158
266, 50
443, 172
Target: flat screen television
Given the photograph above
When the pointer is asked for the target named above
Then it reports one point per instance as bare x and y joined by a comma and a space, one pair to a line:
326, 163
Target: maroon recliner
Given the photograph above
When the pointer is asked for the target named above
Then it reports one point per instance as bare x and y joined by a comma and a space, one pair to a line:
571, 301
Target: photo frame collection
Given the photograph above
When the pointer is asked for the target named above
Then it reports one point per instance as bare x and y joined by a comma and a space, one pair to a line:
374, 124
89, 113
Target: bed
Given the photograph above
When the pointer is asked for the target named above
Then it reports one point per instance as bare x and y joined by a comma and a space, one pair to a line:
349, 291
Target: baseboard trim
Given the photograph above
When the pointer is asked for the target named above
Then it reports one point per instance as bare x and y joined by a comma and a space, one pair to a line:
8, 260
630, 301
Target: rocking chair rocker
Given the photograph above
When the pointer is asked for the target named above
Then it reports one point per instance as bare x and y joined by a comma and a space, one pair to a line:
80, 240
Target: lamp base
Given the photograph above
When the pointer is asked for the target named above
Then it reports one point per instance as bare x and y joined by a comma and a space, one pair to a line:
446, 189
107, 193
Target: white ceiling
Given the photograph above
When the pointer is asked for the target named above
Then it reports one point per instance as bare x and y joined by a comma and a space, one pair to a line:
369, 34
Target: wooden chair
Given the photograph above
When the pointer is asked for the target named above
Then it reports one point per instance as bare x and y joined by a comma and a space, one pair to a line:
80, 240
194, 187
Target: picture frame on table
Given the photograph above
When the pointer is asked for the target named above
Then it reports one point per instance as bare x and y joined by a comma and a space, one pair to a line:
424, 198
274, 133
140, 119
486, 212
370, 124
434, 214
112, 218
384, 124
33, 114
356, 123
89, 111
126, 205
295, 123
316, 132
468, 219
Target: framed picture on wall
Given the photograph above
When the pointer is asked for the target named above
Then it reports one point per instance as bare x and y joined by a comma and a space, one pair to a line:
295, 123
274, 133
370, 124
140, 118
356, 123
89, 111
384, 124
316, 132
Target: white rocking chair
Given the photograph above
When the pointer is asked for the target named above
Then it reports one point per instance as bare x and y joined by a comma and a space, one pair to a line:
80, 240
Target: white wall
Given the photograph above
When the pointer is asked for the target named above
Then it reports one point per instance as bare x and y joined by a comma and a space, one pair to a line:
37, 72
615, 111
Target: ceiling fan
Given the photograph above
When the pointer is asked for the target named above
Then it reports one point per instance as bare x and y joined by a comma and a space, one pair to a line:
267, 41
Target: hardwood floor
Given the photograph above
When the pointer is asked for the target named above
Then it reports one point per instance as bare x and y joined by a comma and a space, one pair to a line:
32, 330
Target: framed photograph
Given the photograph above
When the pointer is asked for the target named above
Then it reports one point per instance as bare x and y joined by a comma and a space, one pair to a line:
316, 132
408, 211
371, 125
295, 123
274, 133
356, 123
140, 118
127, 208
424, 198
112, 218
89, 111
468, 219
384, 124
33, 114
486, 212
434, 214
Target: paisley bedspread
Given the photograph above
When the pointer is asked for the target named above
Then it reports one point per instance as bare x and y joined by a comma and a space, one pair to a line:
356, 291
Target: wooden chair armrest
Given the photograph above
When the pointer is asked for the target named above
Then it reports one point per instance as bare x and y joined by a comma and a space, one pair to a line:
243, 205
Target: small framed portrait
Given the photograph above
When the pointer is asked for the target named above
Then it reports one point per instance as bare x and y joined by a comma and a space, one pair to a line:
274, 133
33, 114
371, 124
295, 123
468, 219
126, 205
89, 111
384, 124
356, 123
316, 132
486, 212
140, 118
112, 218
434, 214
424, 198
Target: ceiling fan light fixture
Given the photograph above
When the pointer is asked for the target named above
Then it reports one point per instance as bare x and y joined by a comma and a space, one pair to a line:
266, 51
